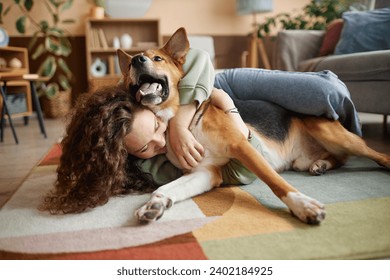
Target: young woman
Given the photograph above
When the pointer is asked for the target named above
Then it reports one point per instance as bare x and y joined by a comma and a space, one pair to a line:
114, 147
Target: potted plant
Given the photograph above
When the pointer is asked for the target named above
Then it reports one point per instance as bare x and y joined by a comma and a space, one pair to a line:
315, 16
50, 46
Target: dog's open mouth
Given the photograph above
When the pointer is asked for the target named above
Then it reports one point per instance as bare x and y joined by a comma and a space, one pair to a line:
150, 90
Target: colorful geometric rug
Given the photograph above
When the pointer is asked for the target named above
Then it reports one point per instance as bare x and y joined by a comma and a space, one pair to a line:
236, 222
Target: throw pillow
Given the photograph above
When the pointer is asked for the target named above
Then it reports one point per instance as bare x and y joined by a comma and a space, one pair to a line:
331, 37
365, 31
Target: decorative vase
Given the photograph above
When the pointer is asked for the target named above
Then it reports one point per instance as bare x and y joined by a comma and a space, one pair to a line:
116, 43
98, 68
126, 41
97, 12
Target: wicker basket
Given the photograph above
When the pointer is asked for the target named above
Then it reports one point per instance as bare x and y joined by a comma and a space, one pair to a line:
57, 106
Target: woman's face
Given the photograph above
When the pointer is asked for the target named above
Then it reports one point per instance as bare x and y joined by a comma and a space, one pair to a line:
147, 138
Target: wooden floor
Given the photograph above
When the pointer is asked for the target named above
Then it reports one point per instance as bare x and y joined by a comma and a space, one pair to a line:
16, 161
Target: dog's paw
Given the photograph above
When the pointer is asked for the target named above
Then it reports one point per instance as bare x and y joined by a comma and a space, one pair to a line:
318, 167
153, 209
307, 209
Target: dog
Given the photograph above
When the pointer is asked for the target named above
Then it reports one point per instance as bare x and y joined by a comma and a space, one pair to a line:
308, 143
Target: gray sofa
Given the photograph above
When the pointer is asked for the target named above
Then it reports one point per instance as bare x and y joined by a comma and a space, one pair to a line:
366, 74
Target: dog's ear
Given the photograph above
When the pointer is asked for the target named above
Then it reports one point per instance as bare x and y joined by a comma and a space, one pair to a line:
178, 45
124, 61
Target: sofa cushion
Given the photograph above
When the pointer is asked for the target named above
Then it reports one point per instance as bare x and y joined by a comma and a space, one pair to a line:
331, 38
370, 96
366, 66
294, 46
365, 31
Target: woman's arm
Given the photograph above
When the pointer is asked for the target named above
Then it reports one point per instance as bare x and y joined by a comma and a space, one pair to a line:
194, 88
223, 101
186, 148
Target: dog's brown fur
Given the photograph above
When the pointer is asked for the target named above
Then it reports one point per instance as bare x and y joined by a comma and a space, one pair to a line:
313, 143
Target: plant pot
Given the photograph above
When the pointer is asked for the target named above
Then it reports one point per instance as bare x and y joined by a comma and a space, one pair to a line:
57, 106
97, 12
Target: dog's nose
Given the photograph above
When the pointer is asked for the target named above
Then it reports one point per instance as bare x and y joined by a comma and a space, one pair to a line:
138, 60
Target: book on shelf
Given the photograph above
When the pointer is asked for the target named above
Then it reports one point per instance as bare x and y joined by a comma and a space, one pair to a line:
95, 40
93, 43
102, 39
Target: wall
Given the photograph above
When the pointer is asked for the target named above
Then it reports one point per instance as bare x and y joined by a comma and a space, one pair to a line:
78, 12
214, 17
211, 17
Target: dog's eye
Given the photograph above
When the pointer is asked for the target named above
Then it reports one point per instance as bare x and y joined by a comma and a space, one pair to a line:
157, 58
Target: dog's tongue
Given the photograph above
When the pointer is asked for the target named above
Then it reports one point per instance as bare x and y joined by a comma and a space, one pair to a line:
149, 88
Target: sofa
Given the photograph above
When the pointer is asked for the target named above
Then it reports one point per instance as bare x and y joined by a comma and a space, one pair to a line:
363, 66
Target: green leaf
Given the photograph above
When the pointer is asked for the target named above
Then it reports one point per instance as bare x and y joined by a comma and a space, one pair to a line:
48, 67
56, 3
38, 51
54, 31
21, 24
52, 44
302, 24
33, 40
319, 26
64, 66
44, 25
66, 46
67, 5
28, 4
56, 18
51, 90
64, 82
266, 28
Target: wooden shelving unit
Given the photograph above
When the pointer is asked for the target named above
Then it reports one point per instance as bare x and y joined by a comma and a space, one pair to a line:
20, 88
102, 65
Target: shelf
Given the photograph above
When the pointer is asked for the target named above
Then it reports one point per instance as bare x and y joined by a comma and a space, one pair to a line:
7, 54
102, 64
18, 91
113, 50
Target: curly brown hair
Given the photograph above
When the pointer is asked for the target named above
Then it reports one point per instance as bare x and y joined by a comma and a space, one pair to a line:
94, 164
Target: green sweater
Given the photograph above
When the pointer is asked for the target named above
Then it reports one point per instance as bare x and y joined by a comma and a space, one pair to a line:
196, 85
233, 173
198, 81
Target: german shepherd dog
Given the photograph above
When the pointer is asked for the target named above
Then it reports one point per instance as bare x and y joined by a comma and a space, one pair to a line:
309, 143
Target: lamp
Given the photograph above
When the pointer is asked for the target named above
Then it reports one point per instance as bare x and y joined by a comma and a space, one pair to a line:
127, 8
245, 7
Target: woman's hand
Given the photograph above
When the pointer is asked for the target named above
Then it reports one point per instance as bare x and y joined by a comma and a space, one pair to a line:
222, 100
187, 149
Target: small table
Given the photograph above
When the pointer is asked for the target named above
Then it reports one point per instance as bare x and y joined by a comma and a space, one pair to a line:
31, 78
